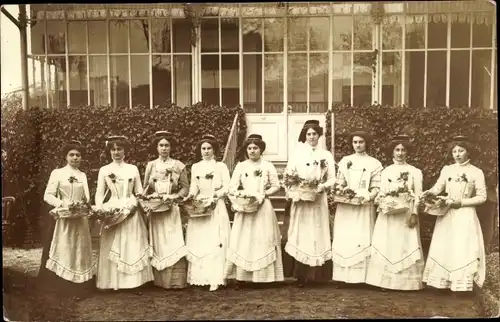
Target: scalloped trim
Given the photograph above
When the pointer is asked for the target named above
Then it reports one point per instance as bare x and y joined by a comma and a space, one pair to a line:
251, 266
378, 259
353, 259
307, 259
438, 272
69, 274
169, 260
205, 279
135, 268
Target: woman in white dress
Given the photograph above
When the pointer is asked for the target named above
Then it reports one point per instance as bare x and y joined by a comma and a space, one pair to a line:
353, 224
67, 262
456, 255
168, 176
207, 236
397, 261
309, 239
254, 251
124, 249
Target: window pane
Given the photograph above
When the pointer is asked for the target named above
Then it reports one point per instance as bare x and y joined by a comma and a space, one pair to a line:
362, 32
182, 80
98, 69
209, 35
78, 80
252, 35
119, 81
481, 34
252, 83
230, 80
297, 34
36, 67
273, 83
391, 79
362, 79
273, 34
342, 78
229, 35
97, 36
459, 78
460, 32
415, 32
77, 37
319, 35
118, 36
437, 32
414, 79
297, 82
57, 81
210, 79
37, 29
139, 36
481, 69
436, 79
162, 80
392, 32
495, 82
160, 35
318, 75
56, 41
140, 80
342, 33
182, 36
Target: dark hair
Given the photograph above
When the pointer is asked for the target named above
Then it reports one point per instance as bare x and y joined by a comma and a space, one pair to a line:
468, 146
394, 143
157, 138
318, 129
119, 142
207, 139
363, 134
72, 145
255, 139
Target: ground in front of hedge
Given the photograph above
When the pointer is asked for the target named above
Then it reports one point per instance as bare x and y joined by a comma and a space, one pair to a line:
285, 301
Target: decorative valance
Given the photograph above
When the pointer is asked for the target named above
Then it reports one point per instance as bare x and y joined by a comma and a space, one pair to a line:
465, 17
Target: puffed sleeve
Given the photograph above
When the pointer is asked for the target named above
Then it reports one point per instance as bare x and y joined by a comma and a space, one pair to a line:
147, 174
481, 193
340, 178
292, 163
440, 183
193, 188
50, 195
418, 179
183, 181
234, 183
273, 179
101, 188
225, 180
137, 184
86, 187
375, 180
330, 179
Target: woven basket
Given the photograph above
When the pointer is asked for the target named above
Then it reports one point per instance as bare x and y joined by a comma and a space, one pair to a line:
303, 193
434, 209
391, 205
155, 205
350, 201
244, 204
64, 212
198, 208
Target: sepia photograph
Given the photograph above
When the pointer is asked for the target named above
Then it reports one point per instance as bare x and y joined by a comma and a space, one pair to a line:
248, 161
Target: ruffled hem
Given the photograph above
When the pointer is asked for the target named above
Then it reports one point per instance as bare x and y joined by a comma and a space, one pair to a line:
435, 271
353, 259
69, 274
126, 268
307, 259
192, 258
380, 260
251, 266
169, 260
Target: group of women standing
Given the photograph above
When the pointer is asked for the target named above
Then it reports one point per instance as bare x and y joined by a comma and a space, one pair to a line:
383, 250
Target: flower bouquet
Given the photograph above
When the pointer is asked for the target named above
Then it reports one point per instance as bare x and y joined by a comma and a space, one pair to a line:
76, 209
300, 189
434, 205
395, 202
341, 194
243, 202
111, 215
155, 202
199, 206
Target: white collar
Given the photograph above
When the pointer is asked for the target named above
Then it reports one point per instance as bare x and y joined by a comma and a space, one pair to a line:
463, 164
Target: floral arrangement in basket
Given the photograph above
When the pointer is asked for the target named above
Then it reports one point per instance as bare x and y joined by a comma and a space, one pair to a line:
343, 194
75, 209
199, 206
433, 204
397, 200
156, 202
111, 215
305, 189
244, 202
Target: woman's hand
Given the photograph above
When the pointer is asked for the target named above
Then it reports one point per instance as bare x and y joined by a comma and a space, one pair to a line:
321, 187
454, 204
412, 221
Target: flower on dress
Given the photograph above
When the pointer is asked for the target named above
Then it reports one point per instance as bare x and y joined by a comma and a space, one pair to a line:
463, 177
112, 176
308, 164
322, 163
129, 179
349, 164
209, 176
72, 179
403, 176
257, 173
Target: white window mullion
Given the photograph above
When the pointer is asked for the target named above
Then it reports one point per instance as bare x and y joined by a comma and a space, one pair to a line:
46, 66
330, 60
352, 60
403, 62
376, 83
448, 59
308, 78
68, 67
150, 58
129, 61
108, 57
171, 56
220, 58
426, 53
493, 70
263, 83
285, 69
240, 55
87, 58
470, 60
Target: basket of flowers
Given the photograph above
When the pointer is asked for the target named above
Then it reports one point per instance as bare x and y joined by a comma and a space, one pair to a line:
155, 202
76, 209
300, 189
395, 202
342, 194
199, 206
111, 215
434, 205
243, 202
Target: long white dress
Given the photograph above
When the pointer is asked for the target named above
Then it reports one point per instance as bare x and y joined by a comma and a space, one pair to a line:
353, 224
309, 239
70, 255
207, 237
124, 249
165, 228
254, 251
397, 260
456, 255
